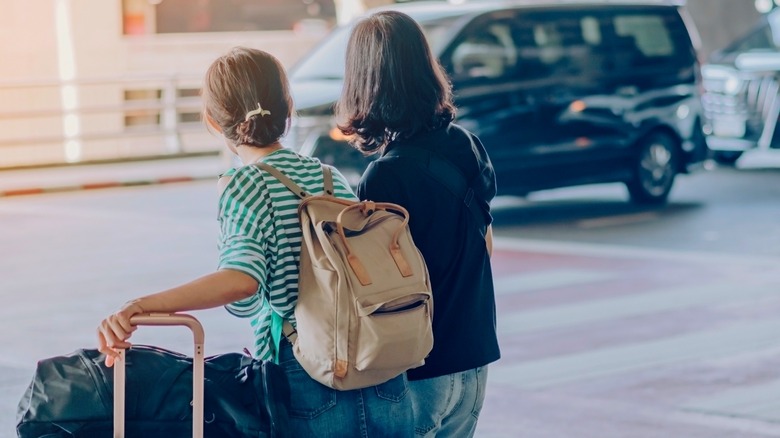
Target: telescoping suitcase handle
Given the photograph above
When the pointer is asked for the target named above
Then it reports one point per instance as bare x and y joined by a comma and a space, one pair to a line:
164, 319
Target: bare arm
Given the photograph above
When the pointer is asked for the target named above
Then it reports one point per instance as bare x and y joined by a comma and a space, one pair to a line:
212, 290
489, 240
222, 183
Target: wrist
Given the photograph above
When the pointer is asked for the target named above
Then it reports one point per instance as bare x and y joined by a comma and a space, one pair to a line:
135, 305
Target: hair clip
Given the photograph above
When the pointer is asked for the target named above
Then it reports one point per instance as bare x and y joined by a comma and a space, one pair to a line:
259, 110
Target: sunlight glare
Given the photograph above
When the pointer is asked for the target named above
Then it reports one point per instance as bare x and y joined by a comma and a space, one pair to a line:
67, 72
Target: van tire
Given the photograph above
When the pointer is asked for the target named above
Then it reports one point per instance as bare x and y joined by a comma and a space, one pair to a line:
654, 169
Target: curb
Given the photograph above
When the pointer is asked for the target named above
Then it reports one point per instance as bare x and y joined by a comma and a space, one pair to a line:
101, 185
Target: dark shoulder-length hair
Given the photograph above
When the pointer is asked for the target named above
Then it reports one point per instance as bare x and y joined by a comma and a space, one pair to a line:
394, 87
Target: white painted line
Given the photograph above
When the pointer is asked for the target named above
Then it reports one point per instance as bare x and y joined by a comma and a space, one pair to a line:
757, 401
549, 279
604, 250
612, 221
592, 364
647, 303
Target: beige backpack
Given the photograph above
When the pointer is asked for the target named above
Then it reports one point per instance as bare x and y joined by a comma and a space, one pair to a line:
365, 305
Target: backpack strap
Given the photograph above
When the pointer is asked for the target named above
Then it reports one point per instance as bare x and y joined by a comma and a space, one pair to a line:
278, 323
327, 176
447, 174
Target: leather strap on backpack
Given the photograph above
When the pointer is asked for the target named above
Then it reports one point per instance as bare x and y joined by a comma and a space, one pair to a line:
327, 177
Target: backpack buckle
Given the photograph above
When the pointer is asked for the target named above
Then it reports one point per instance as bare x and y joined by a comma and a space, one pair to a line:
368, 208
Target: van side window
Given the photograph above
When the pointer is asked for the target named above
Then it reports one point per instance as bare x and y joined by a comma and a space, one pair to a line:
557, 44
484, 52
648, 40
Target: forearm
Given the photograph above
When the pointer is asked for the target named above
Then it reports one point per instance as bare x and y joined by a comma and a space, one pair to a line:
212, 290
489, 240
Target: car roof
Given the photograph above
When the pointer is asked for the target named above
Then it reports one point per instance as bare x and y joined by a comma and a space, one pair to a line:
433, 10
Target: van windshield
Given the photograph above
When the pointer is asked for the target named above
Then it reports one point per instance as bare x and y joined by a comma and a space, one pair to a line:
326, 62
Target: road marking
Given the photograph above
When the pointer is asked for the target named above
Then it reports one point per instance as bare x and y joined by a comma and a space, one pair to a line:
616, 220
548, 279
661, 300
107, 184
592, 364
603, 250
756, 401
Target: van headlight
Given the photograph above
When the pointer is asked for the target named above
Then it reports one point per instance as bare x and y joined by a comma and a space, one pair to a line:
732, 85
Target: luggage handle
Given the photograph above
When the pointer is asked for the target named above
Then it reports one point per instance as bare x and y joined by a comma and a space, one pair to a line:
164, 319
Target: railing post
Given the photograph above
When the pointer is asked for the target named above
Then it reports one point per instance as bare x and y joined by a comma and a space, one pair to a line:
170, 117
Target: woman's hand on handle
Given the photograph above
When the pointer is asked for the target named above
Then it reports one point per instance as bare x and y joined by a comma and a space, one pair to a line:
114, 331
213, 290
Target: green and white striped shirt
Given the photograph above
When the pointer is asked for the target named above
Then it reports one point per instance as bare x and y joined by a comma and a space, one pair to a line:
260, 235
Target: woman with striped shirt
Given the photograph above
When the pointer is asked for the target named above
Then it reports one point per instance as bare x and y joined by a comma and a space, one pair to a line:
247, 101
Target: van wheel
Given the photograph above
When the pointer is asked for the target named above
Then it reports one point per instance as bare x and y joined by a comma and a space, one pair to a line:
655, 168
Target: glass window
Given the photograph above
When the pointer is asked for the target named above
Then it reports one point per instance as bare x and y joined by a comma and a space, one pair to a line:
650, 39
648, 32
181, 16
328, 59
591, 30
555, 44
486, 51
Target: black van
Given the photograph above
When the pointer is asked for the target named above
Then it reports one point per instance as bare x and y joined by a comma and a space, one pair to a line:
561, 94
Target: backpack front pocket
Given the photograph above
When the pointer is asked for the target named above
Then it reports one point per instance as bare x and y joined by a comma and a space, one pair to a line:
394, 333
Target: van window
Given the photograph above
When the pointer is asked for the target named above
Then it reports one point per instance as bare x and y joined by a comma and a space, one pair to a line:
591, 30
648, 32
327, 61
555, 44
484, 52
649, 39
578, 45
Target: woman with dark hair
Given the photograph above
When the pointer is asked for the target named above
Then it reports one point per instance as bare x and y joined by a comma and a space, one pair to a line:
247, 101
397, 102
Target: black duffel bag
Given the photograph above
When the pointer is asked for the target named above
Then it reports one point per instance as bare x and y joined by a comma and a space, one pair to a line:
72, 396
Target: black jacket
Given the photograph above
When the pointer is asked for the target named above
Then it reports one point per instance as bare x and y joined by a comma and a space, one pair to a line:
451, 240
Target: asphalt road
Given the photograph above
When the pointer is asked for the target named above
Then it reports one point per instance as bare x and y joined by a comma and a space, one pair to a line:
726, 210
614, 321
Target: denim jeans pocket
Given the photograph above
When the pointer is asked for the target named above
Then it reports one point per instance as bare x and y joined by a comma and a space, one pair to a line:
481, 382
393, 390
308, 398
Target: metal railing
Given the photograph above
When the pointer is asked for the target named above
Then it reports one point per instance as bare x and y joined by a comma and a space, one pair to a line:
162, 110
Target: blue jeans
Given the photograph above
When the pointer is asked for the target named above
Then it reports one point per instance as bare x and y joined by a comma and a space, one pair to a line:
318, 411
448, 406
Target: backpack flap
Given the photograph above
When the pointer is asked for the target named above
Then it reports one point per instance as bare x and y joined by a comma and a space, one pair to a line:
373, 214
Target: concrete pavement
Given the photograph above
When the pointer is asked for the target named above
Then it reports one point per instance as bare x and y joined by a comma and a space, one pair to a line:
110, 174
598, 341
